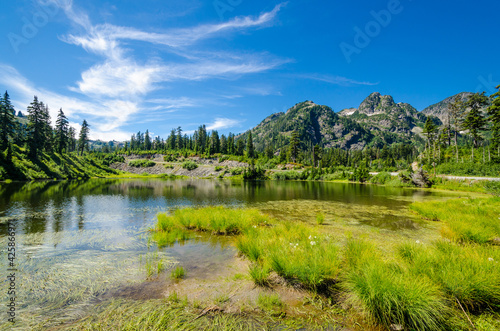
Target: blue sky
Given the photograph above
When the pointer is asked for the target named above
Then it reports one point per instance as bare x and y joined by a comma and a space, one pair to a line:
127, 66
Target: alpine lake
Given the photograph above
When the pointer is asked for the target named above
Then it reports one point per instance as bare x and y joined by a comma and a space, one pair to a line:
82, 246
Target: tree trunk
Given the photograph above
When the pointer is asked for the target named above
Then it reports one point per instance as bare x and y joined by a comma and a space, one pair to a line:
456, 144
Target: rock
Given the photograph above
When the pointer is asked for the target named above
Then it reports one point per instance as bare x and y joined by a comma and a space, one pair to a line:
396, 327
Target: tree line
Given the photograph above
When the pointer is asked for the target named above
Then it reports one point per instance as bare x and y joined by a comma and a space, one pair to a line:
36, 134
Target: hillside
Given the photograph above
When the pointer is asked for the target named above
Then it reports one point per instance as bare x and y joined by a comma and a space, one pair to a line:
439, 109
315, 124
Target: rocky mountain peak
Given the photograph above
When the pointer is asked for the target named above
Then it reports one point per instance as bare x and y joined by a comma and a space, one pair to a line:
376, 103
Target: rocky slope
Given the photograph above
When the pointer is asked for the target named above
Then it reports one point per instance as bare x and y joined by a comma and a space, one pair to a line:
440, 109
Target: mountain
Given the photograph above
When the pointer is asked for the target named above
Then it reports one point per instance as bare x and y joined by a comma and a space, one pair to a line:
380, 113
315, 124
439, 109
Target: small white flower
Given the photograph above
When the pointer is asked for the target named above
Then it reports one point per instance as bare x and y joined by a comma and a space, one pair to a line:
418, 241
491, 259
313, 243
310, 238
255, 226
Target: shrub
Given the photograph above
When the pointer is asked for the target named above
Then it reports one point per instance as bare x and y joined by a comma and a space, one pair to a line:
141, 163
189, 165
218, 168
381, 178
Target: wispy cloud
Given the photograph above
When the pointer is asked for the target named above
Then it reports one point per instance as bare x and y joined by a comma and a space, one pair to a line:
121, 84
336, 80
223, 123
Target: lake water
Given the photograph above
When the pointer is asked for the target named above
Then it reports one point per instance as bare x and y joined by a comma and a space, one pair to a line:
80, 243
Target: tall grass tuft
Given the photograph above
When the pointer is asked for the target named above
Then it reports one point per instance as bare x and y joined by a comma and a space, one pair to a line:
178, 273
466, 220
320, 219
259, 274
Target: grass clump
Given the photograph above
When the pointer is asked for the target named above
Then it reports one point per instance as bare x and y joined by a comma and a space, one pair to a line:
320, 219
189, 165
141, 164
269, 302
259, 274
295, 251
389, 293
469, 273
466, 220
178, 273
217, 220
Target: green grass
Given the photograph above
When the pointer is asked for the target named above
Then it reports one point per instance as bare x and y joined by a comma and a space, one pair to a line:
217, 220
295, 251
269, 302
467, 273
465, 220
178, 273
259, 274
320, 219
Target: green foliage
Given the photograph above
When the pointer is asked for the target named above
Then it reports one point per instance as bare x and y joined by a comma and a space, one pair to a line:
141, 163
178, 273
490, 169
381, 178
189, 165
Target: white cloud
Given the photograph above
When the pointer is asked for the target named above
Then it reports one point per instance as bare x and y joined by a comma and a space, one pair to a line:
223, 123
336, 80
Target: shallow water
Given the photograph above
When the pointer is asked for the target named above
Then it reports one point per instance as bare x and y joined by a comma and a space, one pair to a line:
79, 243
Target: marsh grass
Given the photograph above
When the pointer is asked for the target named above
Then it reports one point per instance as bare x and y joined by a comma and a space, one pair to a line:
217, 220
270, 302
467, 273
388, 292
295, 251
178, 273
466, 220
320, 219
259, 274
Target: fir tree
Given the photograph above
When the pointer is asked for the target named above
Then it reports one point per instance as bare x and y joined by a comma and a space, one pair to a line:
456, 114
36, 127
294, 146
147, 141
7, 121
250, 147
494, 117
62, 127
474, 121
84, 137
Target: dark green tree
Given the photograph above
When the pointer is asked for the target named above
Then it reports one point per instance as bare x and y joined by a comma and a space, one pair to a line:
456, 116
494, 117
71, 139
7, 121
474, 120
147, 141
430, 130
250, 147
294, 146
83, 139
61, 134
36, 127
240, 147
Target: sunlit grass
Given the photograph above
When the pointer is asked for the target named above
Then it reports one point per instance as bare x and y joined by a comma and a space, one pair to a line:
465, 220
178, 273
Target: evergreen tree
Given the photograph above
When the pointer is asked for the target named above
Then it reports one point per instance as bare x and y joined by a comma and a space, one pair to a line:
494, 117
84, 137
474, 121
250, 147
294, 146
71, 139
240, 147
178, 142
7, 121
317, 151
36, 127
147, 141
456, 114
223, 144
62, 127
430, 130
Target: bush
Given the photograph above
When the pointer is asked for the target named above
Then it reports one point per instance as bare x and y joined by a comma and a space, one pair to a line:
218, 168
189, 165
381, 178
287, 175
141, 163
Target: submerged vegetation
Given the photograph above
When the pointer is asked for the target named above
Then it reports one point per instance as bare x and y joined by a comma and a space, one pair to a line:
418, 286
